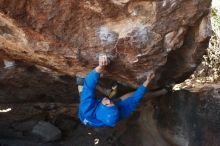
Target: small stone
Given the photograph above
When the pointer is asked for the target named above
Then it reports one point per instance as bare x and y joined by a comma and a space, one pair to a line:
25, 126
47, 131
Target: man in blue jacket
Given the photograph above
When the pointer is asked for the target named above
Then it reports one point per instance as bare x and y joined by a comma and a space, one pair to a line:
104, 112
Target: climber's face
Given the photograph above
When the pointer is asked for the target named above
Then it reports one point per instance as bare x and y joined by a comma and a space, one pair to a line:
107, 102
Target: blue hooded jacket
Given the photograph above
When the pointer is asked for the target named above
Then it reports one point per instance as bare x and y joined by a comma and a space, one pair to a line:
90, 109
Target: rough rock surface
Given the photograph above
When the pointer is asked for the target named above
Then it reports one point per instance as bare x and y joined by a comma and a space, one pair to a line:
24, 82
182, 118
47, 131
21, 82
167, 36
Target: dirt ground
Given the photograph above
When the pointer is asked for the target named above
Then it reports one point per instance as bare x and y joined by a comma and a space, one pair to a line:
17, 124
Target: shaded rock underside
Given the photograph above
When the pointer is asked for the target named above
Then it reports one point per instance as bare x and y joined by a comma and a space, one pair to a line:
177, 119
168, 37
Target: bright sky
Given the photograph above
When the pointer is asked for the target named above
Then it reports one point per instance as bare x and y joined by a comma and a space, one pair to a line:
216, 3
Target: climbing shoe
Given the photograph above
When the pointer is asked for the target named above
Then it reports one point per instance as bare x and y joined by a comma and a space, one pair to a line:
114, 90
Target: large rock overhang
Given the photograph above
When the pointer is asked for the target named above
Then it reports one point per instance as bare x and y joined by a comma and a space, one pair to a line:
168, 37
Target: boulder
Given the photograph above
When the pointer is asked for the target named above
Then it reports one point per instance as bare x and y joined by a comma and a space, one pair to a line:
182, 118
28, 83
168, 37
47, 131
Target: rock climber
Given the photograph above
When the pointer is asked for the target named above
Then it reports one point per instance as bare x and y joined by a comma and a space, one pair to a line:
106, 112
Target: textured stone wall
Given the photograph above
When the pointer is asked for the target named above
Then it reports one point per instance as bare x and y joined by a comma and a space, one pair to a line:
182, 118
21, 83
167, 36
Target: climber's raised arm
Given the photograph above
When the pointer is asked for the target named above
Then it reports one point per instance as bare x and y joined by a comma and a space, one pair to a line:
130, 101
87, 98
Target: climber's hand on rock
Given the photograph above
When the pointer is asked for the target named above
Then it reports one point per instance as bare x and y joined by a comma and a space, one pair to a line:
150, 76
103, 62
